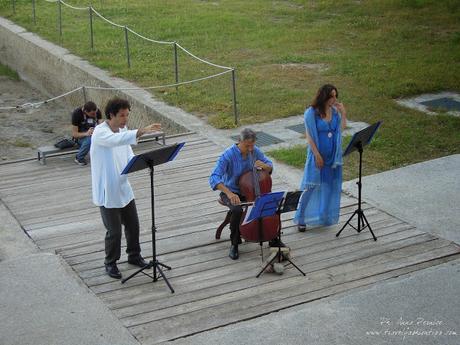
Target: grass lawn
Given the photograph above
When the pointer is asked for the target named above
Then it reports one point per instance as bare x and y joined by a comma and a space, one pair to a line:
374, 51
5, 71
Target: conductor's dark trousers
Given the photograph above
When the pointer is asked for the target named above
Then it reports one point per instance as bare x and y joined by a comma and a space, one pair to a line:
114, 219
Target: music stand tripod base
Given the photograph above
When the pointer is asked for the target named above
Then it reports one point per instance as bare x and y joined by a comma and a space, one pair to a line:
155, 265
359, 140
279, 256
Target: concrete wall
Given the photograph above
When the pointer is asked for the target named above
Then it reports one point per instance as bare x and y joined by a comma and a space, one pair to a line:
53, 70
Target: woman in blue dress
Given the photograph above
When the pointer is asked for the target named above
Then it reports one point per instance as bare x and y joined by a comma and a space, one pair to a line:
324, 120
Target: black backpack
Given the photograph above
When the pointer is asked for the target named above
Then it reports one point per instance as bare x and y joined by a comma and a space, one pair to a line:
65, 143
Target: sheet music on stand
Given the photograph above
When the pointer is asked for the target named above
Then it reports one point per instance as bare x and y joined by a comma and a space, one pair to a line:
277, 201
266, 205
291, 201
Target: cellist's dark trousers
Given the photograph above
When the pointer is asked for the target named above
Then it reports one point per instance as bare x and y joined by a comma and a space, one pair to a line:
237, 212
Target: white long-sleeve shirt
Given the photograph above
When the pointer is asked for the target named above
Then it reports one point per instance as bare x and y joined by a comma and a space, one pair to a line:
110, 152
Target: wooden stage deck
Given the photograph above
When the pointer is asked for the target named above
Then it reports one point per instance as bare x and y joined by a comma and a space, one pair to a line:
53, 205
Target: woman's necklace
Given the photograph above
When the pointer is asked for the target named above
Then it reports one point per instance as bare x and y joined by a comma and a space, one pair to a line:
329, 134
331, 130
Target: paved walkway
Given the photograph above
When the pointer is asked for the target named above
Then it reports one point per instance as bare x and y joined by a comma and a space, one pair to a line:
286, 132
42, 302
420, 309
426, 194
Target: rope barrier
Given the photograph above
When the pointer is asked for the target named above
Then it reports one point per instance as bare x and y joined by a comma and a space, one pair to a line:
159, 86
138, 34
126, 30
148, 39
38, 104
107, 20
202, 60
74, 7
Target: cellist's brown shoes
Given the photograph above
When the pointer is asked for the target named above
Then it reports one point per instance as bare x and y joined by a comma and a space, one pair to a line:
233, 254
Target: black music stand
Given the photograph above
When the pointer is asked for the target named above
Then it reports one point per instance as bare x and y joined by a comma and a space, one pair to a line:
359, 140
150, 160
287, 203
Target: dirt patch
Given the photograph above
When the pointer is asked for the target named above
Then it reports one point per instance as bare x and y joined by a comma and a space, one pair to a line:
23, 130
320, 67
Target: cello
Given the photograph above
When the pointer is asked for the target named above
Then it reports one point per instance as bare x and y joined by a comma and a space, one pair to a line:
253, 184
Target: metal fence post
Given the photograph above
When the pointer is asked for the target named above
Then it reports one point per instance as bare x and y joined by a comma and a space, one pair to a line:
13, 3
235, 108
85, 98
60, 19
127, 47
91, 27
176, 65
33, 12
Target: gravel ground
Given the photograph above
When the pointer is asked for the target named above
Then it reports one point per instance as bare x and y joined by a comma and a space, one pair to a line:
22, 131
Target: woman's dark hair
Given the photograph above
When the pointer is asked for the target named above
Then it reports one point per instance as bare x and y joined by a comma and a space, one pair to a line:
89, 106
115, 105
322, 96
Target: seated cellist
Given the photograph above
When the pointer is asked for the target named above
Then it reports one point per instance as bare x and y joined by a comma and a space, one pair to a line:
235, 161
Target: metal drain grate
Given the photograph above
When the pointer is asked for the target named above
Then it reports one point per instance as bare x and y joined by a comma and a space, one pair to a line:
300, 128
445, 103
263, 139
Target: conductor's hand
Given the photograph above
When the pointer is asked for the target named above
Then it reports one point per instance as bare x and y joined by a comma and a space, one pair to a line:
319, 161
234, 198
154, 127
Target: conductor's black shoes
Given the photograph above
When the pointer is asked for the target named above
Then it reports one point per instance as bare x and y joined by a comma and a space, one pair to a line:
112, 271
139, 261
233, 254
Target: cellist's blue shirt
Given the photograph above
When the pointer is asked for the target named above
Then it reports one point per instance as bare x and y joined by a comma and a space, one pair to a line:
231, 165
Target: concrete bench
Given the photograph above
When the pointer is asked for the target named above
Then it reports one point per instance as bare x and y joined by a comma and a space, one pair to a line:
51, 150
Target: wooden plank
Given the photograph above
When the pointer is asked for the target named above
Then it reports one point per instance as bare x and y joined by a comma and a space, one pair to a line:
165, 245
47, 178
226, 313
227, 271
283, 286
239, 276
56, 213
15, 184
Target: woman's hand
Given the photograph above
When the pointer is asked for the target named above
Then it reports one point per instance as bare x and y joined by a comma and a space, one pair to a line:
319, 161
340, 108
343, 113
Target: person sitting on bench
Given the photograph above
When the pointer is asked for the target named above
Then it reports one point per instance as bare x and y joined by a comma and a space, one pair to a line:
84, 119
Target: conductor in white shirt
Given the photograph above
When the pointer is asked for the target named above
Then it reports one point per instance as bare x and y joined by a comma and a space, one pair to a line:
110, 152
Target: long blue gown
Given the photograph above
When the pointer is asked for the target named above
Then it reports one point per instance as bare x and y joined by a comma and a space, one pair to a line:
320, 203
